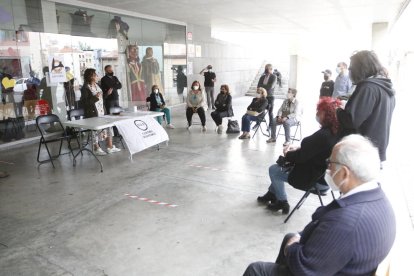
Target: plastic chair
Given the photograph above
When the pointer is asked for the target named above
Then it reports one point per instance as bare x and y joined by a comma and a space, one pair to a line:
261, 118
314, 190
298, 126
51, 130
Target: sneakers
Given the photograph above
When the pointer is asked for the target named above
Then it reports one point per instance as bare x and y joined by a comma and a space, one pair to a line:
204, 129
113, 149
188, 127
170, 126
220, 129
280, 205
287, 143
271, 140
99, 152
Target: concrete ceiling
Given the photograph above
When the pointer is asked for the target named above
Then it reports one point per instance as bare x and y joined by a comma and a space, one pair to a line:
288, 17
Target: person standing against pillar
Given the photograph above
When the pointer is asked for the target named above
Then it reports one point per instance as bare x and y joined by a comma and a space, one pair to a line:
209, 80
268, 81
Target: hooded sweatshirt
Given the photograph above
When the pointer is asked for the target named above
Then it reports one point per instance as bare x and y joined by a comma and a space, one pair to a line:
370, 109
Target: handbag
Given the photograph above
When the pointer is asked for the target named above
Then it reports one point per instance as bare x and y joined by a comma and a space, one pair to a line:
252, 113
233, 127
285, 165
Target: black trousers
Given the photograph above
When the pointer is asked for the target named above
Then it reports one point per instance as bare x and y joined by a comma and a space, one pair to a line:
218, 116
201, 113
279, 268
270, 104
109, 104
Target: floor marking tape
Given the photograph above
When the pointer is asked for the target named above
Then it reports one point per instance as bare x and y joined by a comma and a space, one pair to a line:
5, 162
160, 203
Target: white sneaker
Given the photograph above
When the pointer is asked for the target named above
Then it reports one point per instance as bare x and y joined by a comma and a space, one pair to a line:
220, 129
99, 152
204, 128
170, 126
113, 149
189, 127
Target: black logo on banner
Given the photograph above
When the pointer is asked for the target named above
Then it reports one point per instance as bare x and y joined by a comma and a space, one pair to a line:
141, 125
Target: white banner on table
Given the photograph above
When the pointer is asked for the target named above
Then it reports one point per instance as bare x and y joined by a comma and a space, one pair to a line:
141, 133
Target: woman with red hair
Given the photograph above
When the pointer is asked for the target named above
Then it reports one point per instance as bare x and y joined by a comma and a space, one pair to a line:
308, 159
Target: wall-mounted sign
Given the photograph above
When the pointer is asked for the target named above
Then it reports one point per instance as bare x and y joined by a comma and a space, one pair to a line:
189, 36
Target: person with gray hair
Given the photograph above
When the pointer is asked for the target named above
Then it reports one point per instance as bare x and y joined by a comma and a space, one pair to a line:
343, 84
351, 235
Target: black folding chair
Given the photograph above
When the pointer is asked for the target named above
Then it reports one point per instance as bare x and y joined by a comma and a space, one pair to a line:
313, 190
77, 114
261, 118
51, 130
298, 127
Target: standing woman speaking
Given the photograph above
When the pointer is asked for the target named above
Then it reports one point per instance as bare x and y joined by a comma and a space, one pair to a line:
92, 103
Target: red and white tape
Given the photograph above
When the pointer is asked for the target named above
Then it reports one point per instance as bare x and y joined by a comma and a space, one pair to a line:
208, 168
152, 201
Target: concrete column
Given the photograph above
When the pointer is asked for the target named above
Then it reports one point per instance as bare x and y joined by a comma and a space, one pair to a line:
380, 42
293, 71
50, 24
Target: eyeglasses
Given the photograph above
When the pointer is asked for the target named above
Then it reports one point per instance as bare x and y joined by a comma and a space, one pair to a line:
329, 161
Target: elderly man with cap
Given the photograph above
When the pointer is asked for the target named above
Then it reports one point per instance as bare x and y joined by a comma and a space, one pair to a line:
351, 235
327, 86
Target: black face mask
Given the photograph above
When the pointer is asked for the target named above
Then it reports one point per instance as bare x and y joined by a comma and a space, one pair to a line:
325, 78
110, 74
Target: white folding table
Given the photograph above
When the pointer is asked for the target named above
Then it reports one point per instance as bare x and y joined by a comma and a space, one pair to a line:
99, 123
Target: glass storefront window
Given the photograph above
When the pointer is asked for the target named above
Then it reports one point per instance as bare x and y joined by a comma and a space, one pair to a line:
38, 65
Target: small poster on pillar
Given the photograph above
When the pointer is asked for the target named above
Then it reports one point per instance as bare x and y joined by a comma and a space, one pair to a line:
57, 71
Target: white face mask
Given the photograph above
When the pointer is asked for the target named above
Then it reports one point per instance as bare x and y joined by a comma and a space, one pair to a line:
195, 87
338, 70
331, 183
289, 96
258, 95
209, 70
156, 91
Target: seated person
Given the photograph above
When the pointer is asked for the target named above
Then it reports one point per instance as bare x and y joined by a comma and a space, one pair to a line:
195, 104
157, 103
223, 107
288, 115
309, 158
257, 106
350, 236
92, 103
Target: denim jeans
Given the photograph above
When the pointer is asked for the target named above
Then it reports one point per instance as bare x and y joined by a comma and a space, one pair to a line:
278, 177
167, 115
286, 126
246, 119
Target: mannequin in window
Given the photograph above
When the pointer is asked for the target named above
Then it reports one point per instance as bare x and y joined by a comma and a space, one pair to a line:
151, 71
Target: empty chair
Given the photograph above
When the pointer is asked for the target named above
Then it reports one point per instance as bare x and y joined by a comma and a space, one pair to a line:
51, 130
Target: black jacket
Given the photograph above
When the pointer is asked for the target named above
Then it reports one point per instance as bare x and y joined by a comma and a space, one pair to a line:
223, 103
108, 82
153, 101
258, 105
310, 159
369, 112
270, 86
88, 101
